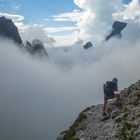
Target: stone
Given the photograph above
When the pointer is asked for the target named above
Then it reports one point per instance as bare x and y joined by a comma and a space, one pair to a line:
115, 113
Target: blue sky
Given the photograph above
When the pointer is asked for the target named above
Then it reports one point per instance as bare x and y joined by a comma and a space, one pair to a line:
126, 1
35, 11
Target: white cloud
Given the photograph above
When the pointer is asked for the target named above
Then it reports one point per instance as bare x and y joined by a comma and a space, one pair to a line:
30, 32
71, 16
68, 75
93, 23
65, 40
60, 29
36, 31
131, 12
96, 20
15, 18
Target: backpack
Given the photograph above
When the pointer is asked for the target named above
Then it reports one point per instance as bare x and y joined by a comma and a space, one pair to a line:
109, 88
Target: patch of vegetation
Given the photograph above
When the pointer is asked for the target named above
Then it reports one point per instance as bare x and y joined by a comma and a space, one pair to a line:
87, 109
126, 128
136, 101
138, 114
71, 132
137, 93
126, 109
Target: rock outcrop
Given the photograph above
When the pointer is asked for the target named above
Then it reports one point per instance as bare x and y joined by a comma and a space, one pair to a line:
9, 30
36, 48
88, 45
116, 29
121, 123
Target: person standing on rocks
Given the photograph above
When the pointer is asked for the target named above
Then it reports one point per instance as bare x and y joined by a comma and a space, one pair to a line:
109, 88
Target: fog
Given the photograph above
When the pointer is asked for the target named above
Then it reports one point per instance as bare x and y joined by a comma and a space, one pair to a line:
39, 98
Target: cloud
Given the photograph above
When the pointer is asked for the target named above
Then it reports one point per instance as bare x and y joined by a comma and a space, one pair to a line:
34, 92
97, 17
130, 12
71, 16
36, 31
15, 18
65, 40
30, 31
60, 29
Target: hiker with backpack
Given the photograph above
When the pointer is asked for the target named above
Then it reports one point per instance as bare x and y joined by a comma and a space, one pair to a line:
109, 88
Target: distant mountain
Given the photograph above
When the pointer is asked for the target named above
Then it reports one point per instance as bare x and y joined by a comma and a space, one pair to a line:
116, 30
37, 47
9, 30
88, 45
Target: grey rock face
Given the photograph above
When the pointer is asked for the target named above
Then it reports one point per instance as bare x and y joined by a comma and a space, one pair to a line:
116, 29
88, 45
115, 113
9, 30
36, 48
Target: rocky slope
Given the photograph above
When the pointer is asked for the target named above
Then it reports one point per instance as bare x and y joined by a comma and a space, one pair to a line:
121, 123
117, 27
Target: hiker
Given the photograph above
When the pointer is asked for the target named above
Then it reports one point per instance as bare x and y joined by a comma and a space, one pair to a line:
109, 88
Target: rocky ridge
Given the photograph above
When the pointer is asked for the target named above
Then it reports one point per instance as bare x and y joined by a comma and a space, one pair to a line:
88, 45
121, 123
37, 47
9, 30
117, 27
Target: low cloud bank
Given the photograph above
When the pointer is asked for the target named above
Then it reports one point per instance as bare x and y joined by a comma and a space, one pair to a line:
40, 97
37, 93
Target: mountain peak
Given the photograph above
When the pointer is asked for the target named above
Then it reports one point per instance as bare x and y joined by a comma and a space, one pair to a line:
88, 45
117, 27
9, 30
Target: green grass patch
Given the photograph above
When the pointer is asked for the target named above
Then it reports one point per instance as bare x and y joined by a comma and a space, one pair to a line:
71, 132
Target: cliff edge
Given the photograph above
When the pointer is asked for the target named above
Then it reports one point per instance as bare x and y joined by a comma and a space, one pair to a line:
121, 123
